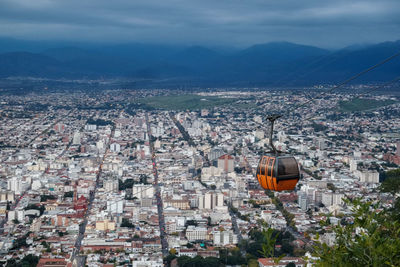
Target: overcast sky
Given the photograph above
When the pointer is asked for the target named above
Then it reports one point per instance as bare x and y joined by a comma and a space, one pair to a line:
324, 23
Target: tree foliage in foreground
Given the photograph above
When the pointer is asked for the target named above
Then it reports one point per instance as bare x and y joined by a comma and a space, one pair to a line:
268, 247
372, 240
28, 261
391, 183
198, 261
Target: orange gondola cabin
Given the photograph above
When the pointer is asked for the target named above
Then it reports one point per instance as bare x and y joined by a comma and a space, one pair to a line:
278, 173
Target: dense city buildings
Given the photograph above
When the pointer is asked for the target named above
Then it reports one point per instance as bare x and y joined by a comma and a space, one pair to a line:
107, 179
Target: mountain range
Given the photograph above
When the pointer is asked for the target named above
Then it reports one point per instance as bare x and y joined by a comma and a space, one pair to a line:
272, 64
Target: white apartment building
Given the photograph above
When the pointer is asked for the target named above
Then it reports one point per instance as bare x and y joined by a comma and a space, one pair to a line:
142, 191
223, 238
111, 186
194, 233
211, 200
371, 177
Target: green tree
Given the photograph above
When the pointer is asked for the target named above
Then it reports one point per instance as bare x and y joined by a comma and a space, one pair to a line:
20, 242
128, 183
252, 263
191, 222
391, 183
372, 240
169, 258
268, 247
287, 248
211, 261
27, 261
61, 233
198, 261
183, 260
209, 221
44, 198
126, 223
235, 257
395, 211
331, 186
69, 194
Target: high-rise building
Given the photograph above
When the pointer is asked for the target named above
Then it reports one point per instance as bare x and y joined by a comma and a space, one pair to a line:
317, 197
398, 149
100, 144
353, 165
115, 206
14, 184
6, 196
321, 143
105, 225
303, 200
208, 172
327, 199
211, 200
226, 163
142, 191
368, 177
157, 144
59, 127
219, 200
281, 136
90, 127
17, 185
337, 198
76, 140
223, 238
115, 147
196, 233
215, 153
111, 186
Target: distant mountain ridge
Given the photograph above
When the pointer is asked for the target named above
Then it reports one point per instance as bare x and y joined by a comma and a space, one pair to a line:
277, 63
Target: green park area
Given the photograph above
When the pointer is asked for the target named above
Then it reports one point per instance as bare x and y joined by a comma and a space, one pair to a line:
362, 104
183, 102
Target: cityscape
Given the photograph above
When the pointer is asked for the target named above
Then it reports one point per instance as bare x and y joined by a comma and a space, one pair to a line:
160, 177
227, 133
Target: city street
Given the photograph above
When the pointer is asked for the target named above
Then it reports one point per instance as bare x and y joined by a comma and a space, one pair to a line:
82, 226
164, 242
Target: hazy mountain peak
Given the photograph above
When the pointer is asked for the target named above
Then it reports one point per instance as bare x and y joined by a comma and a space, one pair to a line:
261, 63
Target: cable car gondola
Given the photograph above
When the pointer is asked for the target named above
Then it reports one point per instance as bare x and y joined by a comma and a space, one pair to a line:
277, 171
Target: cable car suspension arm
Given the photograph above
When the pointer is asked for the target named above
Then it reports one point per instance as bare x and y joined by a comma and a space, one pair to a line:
272, 119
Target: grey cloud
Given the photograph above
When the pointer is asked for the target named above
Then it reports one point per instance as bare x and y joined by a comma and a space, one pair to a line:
224, 22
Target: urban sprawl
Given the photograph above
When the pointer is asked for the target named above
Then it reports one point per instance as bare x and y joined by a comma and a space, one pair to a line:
106, 179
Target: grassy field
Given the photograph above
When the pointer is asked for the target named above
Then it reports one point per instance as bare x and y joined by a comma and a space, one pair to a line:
183, 102
363, 104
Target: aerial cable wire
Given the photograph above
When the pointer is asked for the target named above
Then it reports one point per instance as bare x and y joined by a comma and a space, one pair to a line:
304, 74
366, 93
363, 94
343, 83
